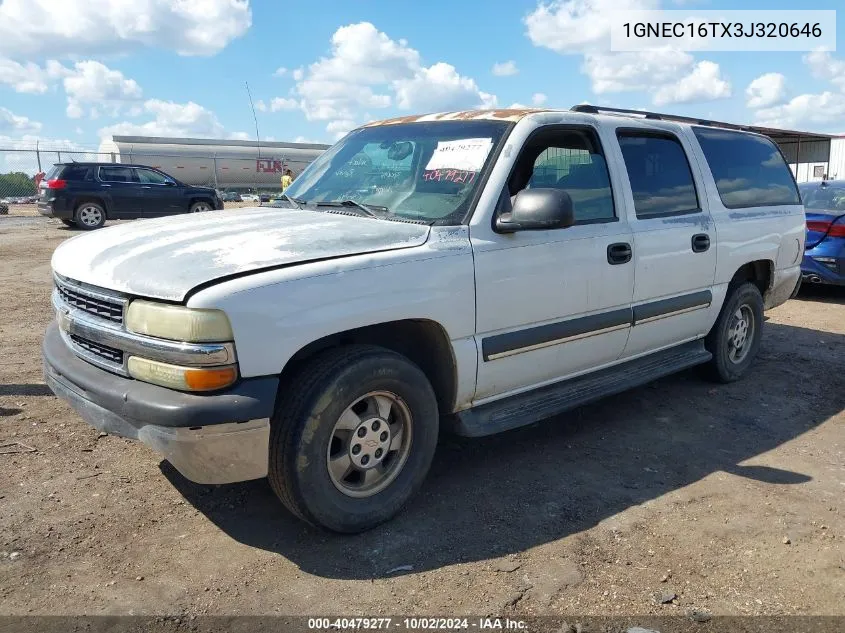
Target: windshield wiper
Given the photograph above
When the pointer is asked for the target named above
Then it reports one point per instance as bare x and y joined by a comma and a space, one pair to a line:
369, 210
296, 202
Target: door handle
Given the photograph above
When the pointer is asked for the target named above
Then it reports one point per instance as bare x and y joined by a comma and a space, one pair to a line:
619, 253
700, 242
146, 187
105, 185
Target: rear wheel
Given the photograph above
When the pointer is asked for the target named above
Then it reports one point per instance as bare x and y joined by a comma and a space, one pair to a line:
352, 438
89, 215
735, 338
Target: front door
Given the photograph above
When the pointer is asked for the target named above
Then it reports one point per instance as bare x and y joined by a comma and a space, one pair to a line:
158, 195
552, 304
674, 240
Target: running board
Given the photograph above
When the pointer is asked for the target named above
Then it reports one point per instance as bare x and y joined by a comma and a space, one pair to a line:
545, 402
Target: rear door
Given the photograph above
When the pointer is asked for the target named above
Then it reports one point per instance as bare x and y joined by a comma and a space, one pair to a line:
158, 194
120, 190
674, 239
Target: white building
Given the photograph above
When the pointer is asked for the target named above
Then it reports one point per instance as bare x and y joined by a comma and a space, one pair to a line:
219, 163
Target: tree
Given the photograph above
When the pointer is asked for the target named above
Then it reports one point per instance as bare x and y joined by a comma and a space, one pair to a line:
16, 184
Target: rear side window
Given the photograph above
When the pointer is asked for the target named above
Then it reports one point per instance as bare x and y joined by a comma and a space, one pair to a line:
116, 174
659, 173
749, 170
76, 172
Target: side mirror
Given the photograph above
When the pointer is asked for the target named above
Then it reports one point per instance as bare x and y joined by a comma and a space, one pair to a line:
170, 183
538, 210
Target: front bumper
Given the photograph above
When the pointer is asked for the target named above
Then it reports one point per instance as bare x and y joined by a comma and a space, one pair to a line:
210, 438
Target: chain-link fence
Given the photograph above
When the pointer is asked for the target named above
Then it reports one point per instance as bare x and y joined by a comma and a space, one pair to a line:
22, 166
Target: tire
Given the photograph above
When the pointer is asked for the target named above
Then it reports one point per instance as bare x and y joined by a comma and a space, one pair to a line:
730, 361
335, 389
69, 223
200, 207
89, 216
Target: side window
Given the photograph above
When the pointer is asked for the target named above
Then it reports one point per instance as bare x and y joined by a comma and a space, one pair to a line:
659, 173
116, 174
571, 160
150, 177
749, 170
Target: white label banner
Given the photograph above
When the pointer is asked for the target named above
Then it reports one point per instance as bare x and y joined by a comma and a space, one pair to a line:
466, 154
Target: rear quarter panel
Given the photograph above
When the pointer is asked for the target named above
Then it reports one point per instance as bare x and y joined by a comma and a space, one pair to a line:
774, 234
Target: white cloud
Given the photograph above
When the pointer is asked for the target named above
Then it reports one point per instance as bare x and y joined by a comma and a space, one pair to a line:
28, 78
505, 69
367, 70
766, 90
78, 27
298, 74
808, 111
539, 99
280, 103
281, 71
339, 128
704, 83
16, 125
91, 83
577, 26
172, 119
516, 105
440, 87
260, 106
630, 71
823, 65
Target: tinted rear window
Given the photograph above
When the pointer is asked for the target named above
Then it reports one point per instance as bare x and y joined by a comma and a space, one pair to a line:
659, 173
116, 174
76, 172
749, 170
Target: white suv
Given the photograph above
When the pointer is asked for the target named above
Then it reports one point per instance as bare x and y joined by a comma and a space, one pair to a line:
477, 271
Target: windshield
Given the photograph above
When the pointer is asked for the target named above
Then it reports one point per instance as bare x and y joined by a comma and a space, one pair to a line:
831, 197
420, 171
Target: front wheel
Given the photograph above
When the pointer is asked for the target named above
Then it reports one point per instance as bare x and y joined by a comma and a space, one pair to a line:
735, 338
352, 437
199, 207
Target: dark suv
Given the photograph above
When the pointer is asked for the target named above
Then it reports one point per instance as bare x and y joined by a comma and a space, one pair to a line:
87, 194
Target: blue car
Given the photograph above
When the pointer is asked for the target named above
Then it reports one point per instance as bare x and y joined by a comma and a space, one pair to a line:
824, 254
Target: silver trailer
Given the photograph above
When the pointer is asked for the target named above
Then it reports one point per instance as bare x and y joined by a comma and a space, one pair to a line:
223, 164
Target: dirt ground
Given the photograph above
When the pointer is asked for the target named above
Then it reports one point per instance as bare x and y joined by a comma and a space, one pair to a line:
730, 498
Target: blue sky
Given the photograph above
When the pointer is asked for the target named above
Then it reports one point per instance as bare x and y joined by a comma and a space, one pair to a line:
169, 67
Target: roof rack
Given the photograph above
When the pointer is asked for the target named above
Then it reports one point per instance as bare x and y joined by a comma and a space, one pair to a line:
591, 109
778, 135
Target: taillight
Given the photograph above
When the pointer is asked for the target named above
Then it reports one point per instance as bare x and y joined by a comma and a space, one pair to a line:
837, 229
830, 229
56, 184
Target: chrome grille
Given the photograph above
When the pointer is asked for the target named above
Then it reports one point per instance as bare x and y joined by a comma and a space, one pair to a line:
105, 352
94, 303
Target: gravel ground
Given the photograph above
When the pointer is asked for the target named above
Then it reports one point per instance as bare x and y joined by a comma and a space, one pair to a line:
677, 496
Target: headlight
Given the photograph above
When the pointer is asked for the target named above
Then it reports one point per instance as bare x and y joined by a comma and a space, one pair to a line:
181, 378
178, 323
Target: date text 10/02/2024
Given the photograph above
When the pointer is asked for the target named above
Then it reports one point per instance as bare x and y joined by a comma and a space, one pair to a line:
417, 624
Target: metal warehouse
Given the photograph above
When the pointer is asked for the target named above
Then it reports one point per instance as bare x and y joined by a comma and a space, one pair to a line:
223, 164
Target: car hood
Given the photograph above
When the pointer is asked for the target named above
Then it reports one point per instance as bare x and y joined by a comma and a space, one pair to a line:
166, 258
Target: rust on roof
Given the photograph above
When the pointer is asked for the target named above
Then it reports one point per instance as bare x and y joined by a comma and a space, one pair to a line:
504, 114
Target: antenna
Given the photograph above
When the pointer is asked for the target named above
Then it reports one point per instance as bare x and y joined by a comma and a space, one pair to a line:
254, 118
